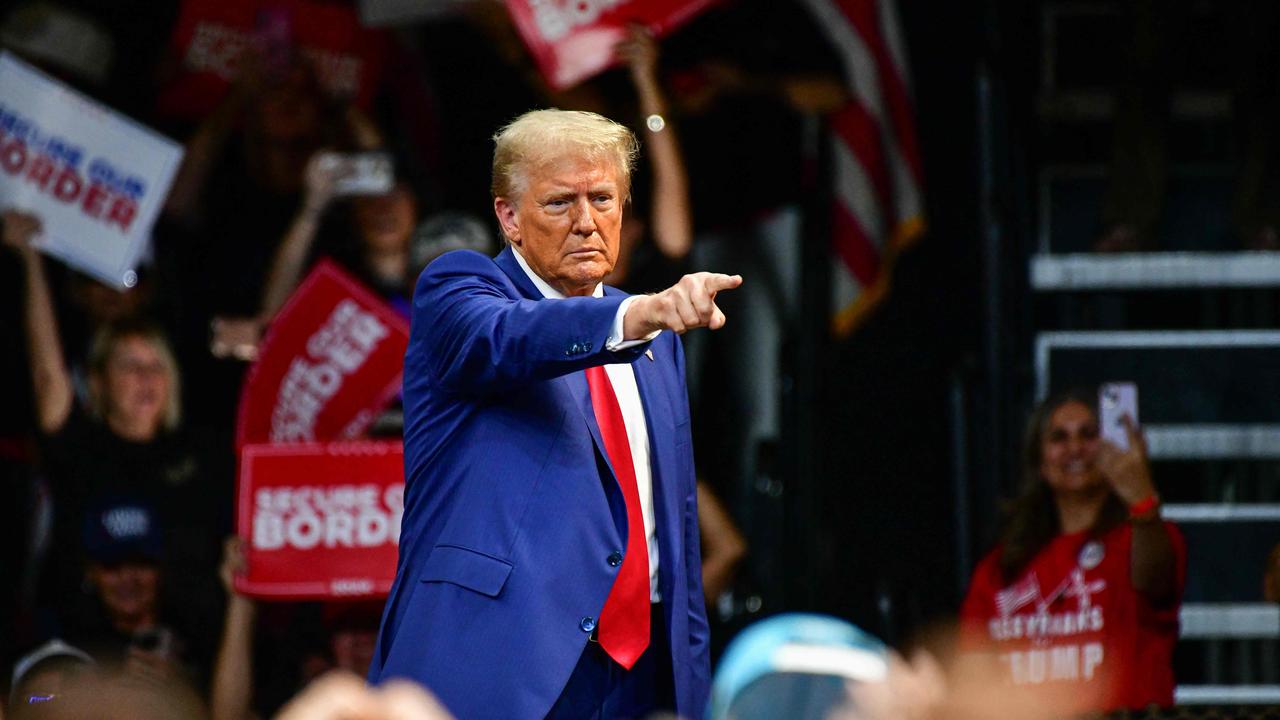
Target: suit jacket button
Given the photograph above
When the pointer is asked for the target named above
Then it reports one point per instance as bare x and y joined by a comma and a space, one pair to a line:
587, 624
615, 559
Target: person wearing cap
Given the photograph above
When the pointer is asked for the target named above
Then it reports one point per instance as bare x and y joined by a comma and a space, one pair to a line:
549, 554
124, 621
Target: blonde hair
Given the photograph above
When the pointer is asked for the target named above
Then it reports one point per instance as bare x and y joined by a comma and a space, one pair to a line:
542, 135
104, 344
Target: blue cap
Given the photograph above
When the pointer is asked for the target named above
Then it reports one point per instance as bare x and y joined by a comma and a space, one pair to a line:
794, 665
122, 530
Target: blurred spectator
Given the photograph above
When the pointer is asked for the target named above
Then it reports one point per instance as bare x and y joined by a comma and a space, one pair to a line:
748, 80
123, 620
127, 442
657, 264
233, 197
379, 240
253, 674
1139, 156
1083, 591
44, 673
381, 225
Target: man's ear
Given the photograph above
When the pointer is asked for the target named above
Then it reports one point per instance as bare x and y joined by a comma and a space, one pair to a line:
507, 214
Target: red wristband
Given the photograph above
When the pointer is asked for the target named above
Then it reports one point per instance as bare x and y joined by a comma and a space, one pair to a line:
1144, 507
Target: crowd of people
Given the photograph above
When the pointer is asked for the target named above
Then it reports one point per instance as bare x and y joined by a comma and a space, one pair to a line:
126, 552
124, 460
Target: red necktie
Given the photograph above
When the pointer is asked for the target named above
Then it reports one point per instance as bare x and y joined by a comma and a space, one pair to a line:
624, 621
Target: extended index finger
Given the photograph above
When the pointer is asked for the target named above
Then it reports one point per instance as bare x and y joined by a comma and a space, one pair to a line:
719, 281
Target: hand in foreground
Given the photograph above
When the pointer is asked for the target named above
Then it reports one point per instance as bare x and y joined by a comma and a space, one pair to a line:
684, 306
1127, 470
20, 229
343, 696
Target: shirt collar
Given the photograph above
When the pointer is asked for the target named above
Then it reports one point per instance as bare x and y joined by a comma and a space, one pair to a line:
546, 290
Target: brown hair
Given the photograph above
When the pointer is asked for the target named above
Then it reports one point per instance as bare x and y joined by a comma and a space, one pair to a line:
1033, 517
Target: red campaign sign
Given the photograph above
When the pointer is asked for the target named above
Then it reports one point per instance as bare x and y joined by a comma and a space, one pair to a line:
320, 520
572, 40
329, 363
210, 35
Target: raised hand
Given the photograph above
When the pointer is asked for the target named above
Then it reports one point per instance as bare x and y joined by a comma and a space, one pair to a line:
20, 229
684, 306
639, 51
321, 176
233, 563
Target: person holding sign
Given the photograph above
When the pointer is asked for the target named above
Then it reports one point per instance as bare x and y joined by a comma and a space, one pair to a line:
549, 560
127, 441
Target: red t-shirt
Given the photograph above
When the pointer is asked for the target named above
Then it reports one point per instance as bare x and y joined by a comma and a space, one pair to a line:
1073, 621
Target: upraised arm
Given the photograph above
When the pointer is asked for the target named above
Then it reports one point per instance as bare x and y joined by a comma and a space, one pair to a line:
231, 687
670, 218
49, 376
1153, 564
291, 257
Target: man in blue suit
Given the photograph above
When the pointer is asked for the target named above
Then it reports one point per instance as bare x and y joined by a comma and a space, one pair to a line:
549, 557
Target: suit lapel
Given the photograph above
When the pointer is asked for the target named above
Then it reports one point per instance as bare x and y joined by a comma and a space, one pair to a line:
666, 497
576, 382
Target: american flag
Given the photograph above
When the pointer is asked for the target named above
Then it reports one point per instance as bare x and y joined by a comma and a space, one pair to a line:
1019, 595
876, 169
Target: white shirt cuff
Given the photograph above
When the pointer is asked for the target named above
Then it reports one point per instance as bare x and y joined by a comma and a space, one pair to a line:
615, 342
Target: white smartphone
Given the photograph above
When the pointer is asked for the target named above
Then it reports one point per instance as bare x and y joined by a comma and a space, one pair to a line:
365, 173
1116, 400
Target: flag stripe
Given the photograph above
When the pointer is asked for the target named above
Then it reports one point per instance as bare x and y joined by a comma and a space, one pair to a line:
877, 173
856, 130
855, 247
866, 24
855, 191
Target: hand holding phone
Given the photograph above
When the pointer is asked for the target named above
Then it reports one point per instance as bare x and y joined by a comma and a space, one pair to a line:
364, 173
1116, 400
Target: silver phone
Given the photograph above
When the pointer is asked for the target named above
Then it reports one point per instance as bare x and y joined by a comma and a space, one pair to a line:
1115, 401
364, 173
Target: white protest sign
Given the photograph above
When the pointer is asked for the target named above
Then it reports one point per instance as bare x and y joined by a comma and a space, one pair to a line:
94, 177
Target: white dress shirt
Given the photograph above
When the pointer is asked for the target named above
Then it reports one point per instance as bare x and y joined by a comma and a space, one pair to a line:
623, 379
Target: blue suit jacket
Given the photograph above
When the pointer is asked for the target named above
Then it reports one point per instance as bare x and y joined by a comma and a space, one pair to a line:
511, 508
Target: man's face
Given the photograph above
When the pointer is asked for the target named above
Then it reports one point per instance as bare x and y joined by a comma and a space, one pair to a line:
567, 222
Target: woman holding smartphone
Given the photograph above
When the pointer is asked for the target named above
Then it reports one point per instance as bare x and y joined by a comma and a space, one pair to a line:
1081, 595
